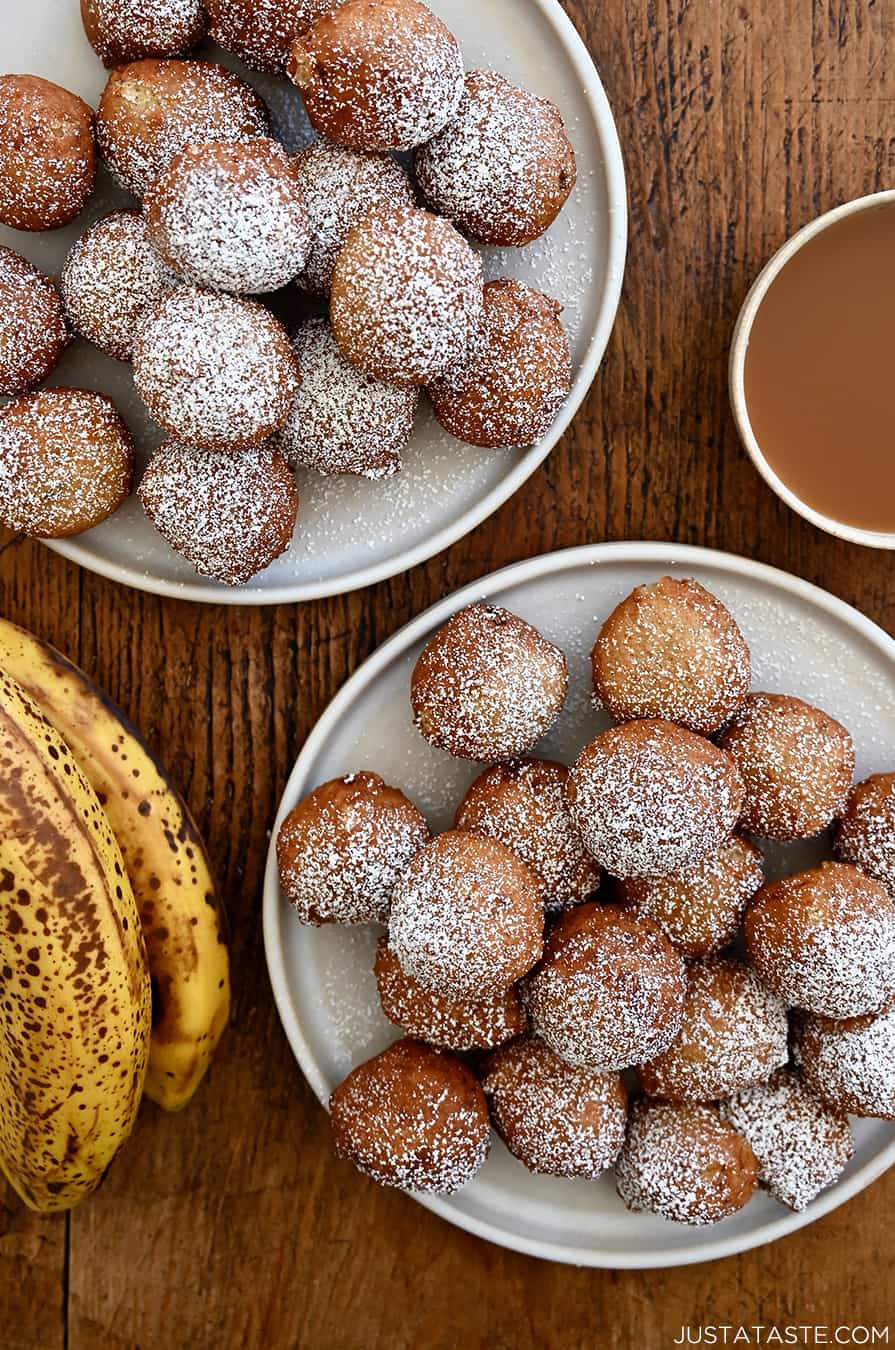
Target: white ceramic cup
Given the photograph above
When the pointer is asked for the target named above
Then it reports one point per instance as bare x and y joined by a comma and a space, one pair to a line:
736, 372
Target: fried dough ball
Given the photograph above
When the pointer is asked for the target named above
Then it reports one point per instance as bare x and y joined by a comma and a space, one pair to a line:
215, 371
341, 850
151, 110
651, 800
66, 462
701, 909
230, 215
796, 762
47, 154
406, 301
523, 805
129, 30
466, 919
111, 275
825, 941
412, 1117
33, 333
558, 1120
487, 685
801, 1145
850, 1064
502, 169
672, 650
452, 1024
684, 1163
341, 186
510, 388
229, 515
865, 833
609, 991
261, 32
341, 420
378, 74
734, 1033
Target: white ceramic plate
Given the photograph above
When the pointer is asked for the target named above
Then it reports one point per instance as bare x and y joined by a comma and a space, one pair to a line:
351, 532
803, 642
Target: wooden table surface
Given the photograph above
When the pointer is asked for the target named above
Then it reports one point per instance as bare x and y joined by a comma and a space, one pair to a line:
232, 1225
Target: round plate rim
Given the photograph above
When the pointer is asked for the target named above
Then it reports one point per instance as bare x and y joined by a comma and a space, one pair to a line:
647, 553
606, 132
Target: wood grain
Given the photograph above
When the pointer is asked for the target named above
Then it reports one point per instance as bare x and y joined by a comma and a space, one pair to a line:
232, 1225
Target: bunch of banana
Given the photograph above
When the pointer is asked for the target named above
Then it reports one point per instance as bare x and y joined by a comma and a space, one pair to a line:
74, 982
153, 866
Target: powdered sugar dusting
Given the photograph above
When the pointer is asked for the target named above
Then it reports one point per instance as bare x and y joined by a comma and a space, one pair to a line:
503, 167
850, 1063
452, 1024
126, 30
523, 805
796, 762
672, 650
700, 910
865, 835
341, 186
342, 849
467, 919
413, 1117
66, 462
651, 799
558, 1120
609, 992
33, 332
213, 370
825, 940
260, 32
406, 298
487, 685
801, 1146
684, 1163
230, 215
517, 376
151, 110
111, 275
344, 976
47, 157
734, 1033
341, 420
411, 82
230, 515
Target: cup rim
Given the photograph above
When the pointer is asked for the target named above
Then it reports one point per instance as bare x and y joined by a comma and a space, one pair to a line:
737, 366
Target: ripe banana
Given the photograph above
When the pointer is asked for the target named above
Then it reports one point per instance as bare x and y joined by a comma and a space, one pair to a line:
163, 855
75, 999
